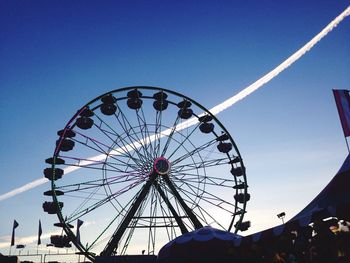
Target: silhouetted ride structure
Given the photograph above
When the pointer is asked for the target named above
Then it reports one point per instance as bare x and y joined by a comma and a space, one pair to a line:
148, 164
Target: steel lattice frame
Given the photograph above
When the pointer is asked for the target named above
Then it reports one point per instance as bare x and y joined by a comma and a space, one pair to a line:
140, 175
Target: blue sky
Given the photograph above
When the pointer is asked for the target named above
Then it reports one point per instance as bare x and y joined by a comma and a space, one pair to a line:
58, 55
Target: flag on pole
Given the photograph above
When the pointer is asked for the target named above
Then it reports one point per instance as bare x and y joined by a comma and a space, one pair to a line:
79, 223
40, 231
342, 100
15, 225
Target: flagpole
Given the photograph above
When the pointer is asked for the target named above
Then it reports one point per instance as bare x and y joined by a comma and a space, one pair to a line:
15, 225
347, 144
342, 101
40, 231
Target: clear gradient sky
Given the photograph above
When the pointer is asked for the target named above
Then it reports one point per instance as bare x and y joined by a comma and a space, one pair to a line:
57, 55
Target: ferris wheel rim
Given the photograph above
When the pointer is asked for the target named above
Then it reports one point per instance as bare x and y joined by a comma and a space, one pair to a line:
149, 88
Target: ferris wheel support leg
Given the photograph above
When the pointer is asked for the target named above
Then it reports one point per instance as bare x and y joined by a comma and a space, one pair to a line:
172, 209
112, 245
188, 211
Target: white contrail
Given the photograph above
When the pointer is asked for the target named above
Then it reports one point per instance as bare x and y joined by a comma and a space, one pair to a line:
215, 110
284, 65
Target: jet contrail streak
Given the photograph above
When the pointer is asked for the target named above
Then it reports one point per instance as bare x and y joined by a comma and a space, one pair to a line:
215, 110
284, 65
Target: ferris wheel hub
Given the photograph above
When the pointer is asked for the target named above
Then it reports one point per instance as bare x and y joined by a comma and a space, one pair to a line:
161, 166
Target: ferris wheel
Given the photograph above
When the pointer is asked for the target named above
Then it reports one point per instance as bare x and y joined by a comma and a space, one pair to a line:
141, 166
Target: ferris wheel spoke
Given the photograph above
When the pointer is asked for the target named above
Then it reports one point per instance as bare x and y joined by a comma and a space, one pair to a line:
123, 148
195, 193
127, 128
174, 126
94, 164
93, 146
120, 142
194, 178
132, 134
152, 221
95, 142
172, 209
109, 134
82, 197
185, 139
90, 166
201, 164
157, 134
178, 210
168, 232
169, 197
146, 135
125, 145
188, 223
165, 215
194, 151
184, 206
96, 147
208, 197
85, 201
173, 129
204, 180
128, 232
186, 176
118, 215
193, 204
78, 187
103, 201
202, 212
213, 219
144, 138
113, 243
99, 182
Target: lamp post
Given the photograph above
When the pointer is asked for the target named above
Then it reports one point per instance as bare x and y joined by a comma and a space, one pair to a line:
281, 216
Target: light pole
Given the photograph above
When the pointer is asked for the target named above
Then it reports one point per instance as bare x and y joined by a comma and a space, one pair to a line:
281, 216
